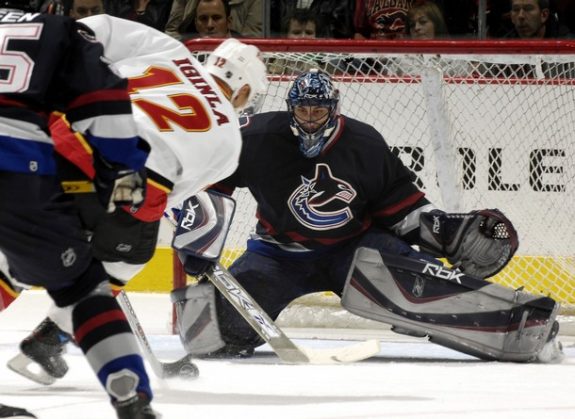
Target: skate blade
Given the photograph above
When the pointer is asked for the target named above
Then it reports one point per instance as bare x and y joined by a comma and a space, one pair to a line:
26, 367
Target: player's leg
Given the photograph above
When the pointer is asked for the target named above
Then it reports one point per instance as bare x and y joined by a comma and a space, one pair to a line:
374, 238
453, 309
45, 245
273, 283
126, 244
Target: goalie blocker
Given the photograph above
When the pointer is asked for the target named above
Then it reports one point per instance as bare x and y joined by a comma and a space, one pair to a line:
453, 309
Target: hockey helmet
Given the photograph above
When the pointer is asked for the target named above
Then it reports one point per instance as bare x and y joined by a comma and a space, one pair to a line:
27, 5
313, 88
238, 64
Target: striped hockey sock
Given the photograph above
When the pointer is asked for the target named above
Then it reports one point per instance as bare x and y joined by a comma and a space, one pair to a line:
103, 333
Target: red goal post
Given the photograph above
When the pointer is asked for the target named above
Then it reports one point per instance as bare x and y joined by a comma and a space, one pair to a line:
482, 124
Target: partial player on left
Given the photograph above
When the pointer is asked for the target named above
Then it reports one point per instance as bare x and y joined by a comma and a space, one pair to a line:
52, 63
190, 151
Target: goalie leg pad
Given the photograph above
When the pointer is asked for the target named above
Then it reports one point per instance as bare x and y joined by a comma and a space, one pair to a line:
197, 318
472, 316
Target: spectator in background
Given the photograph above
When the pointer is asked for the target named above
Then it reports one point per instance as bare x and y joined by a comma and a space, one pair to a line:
533, 19
425, 21
301, 24
246, 17
78, 9
212, 19
153, 13
377, 19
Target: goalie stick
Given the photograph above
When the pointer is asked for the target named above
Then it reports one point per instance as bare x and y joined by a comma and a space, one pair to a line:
182, 368
283, 346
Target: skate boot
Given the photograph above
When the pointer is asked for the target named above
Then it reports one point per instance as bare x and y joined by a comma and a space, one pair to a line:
552, 351
138, 407
14, 412
43, 347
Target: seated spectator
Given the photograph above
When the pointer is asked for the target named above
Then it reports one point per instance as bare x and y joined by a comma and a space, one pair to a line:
425, 21
78, 9
301, 24
152, 13
246, 17
212, 19
376, 19
532, 19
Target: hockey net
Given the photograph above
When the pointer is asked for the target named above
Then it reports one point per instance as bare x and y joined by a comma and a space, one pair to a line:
481, 124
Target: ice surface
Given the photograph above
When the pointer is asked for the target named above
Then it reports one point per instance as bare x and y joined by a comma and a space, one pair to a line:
410, 378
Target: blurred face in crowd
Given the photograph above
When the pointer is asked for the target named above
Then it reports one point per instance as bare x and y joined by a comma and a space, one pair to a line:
528, 18
299, 29
211, 19
85, 8
421, 26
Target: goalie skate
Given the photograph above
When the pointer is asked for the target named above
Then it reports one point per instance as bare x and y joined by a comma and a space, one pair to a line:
41, 358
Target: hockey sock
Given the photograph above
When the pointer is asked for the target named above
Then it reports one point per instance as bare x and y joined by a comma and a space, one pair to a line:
104, 334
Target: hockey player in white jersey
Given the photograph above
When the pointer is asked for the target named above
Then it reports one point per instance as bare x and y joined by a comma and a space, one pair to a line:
188, 114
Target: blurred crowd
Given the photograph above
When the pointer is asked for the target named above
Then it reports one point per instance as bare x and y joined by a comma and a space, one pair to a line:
342, 19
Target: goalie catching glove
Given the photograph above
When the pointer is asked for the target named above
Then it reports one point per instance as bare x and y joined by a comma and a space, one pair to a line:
479, 243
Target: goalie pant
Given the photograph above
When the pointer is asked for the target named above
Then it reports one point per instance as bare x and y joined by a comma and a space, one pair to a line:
455, 310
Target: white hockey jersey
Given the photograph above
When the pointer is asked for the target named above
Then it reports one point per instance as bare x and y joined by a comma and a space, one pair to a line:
192, 128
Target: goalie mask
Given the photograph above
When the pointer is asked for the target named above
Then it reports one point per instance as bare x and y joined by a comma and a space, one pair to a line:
311, 99
238, 64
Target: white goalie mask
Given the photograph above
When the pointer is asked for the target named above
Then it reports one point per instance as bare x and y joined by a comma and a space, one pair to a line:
237, 64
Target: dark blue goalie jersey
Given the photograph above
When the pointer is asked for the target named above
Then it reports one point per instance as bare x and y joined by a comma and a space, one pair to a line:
52, 63
314, 204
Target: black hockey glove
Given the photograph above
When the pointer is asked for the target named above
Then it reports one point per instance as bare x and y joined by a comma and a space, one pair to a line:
195, 266
479, 243
117, 185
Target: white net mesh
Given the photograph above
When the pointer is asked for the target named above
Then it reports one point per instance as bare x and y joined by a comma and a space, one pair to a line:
478, 131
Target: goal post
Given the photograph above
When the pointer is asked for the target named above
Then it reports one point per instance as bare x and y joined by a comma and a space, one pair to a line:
482, 124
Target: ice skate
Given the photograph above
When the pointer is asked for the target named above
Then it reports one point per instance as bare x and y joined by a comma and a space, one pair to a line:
137, 407
552, 352
41, 358
14, 412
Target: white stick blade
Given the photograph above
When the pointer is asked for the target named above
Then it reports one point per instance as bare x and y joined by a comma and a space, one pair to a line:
345, 354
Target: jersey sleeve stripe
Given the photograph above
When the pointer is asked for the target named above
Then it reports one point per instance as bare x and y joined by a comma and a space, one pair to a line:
399, 206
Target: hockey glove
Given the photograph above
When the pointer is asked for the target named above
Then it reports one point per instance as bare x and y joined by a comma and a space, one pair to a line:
195, 266
479, 243
117, 185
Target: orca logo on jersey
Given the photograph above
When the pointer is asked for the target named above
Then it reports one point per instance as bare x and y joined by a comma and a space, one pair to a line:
323, 190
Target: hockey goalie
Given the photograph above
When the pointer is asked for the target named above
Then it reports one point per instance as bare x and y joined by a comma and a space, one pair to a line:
422, 297
338, 211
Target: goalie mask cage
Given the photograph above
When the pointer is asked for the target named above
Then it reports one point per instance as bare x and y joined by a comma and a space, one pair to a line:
482, 124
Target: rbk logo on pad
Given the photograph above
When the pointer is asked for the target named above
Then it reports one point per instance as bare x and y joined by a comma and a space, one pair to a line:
309, 202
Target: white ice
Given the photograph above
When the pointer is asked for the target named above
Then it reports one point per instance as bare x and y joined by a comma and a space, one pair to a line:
410, 378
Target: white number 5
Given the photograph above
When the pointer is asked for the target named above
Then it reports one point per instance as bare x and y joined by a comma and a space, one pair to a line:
16, 66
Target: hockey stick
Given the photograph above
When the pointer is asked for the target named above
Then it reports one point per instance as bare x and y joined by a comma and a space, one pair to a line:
283, 346
182, 368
